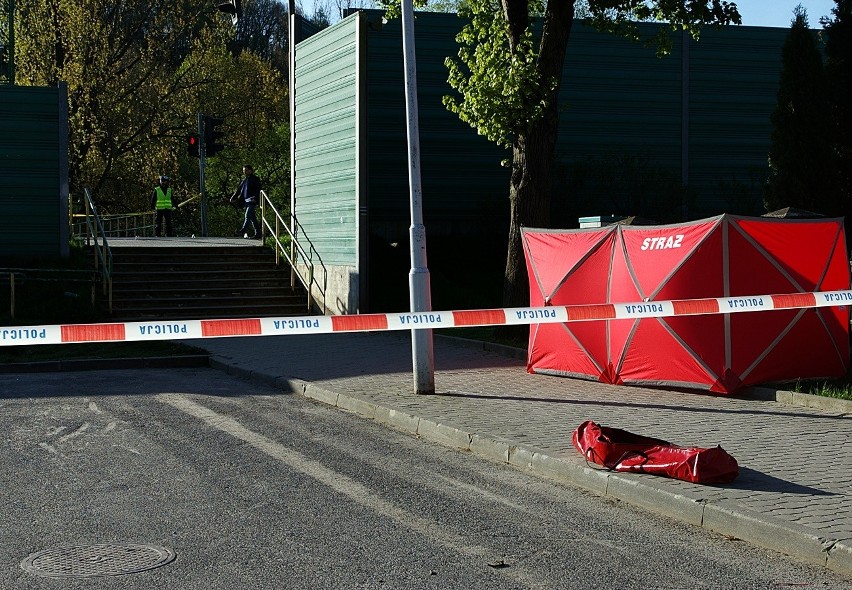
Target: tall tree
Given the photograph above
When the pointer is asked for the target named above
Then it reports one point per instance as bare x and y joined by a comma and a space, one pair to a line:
838, 68
800, 162
508, 75
118, 60
249, 95
263, 30
138, 72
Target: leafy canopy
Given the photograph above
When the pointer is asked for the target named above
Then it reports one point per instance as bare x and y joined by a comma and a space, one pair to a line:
498, 71
139, 71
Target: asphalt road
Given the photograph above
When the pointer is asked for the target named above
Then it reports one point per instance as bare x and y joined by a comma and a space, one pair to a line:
250, 488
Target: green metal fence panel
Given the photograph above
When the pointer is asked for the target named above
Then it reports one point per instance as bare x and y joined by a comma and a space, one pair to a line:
620, 117
326, 141
734, 75
463, 183
33, 172
699, 116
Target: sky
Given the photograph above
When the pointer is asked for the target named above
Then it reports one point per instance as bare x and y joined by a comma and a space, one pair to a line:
757, 13
779, 13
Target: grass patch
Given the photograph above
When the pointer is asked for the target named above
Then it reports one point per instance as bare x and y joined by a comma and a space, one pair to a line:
836, 388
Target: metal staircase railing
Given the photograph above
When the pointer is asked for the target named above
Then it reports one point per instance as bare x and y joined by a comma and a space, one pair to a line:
303, 264
96, 236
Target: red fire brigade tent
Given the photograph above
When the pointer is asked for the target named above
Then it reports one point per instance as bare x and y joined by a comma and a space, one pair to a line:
725, 256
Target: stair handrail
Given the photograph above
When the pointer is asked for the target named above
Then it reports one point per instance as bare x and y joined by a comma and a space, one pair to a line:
95, 235
311, 248
296, 250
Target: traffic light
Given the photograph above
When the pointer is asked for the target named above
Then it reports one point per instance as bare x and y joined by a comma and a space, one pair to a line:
192, 145
232, 7
212, 136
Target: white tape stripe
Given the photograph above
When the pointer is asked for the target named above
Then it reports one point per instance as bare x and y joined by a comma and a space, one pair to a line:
833, 298
650, 309
136, 331
536, 315
278, 326
296, 325
431, 319
739, 304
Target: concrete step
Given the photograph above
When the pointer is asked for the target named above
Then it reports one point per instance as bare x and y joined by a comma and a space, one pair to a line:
137, 314
268, 288
119, 268
178, 300
174, 282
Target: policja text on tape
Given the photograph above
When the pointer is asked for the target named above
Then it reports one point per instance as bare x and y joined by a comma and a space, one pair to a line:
283, 326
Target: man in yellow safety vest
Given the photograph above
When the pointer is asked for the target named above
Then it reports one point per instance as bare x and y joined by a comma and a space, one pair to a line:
162, 203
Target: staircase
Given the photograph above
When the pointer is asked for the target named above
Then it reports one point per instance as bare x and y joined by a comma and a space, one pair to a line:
175, 282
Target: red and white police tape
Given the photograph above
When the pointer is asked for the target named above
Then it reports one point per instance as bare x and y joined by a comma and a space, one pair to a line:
378, 322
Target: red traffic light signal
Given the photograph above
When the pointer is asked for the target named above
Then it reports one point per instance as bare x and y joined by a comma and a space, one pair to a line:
192, 143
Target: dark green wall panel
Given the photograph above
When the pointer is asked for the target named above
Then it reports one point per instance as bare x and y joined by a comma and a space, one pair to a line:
733, 86
462, 180
33, 172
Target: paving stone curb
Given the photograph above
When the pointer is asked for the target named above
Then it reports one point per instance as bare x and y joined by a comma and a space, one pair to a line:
803, 400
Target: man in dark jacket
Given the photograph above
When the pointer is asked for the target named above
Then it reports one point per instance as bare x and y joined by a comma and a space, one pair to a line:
249, 189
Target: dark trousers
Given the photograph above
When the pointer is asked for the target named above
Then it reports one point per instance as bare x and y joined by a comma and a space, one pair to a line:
167, 215
250, 220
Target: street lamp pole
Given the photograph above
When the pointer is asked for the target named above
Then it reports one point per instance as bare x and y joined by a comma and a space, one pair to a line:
422, 350
202, 166
291, 83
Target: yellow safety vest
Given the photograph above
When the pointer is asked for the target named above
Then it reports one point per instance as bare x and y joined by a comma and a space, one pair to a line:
164, 200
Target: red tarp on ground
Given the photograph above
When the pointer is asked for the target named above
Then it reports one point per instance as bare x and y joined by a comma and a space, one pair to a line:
724, 256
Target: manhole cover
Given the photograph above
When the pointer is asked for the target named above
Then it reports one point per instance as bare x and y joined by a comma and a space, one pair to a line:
84, 561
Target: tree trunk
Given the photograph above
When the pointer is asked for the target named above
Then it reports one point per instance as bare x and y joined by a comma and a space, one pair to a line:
529, 198
533, 154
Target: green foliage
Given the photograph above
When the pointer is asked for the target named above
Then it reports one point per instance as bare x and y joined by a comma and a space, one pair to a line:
263, 31
393, 8
837, 388
252, 102
838, 68
118, 61
800, 161
507, 78
620, 18
445, 5
139, 72
502, 89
